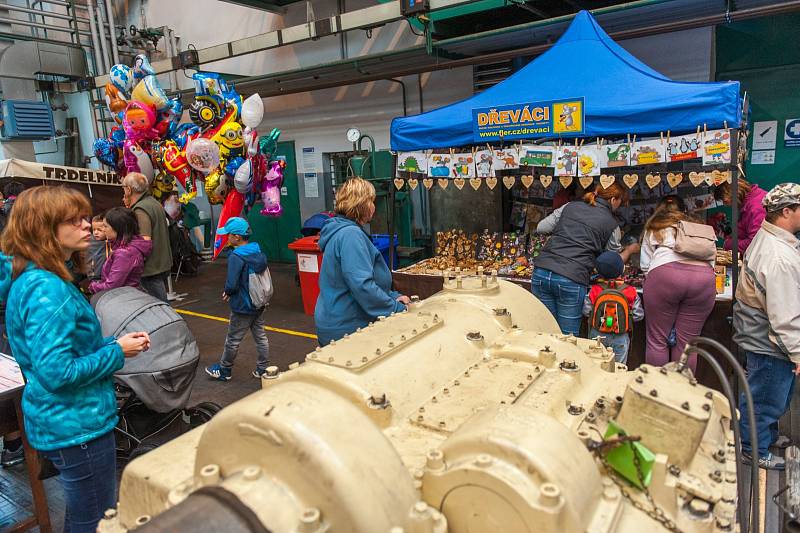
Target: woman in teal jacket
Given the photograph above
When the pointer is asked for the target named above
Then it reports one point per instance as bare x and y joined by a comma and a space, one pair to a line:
355, 285
68, 403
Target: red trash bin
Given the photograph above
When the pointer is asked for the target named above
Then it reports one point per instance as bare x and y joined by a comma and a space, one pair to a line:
309, 262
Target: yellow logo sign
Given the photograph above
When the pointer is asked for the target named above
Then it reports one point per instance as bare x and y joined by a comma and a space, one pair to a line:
568, 117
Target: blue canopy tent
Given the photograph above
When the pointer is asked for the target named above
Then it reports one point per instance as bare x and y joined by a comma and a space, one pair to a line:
618, 94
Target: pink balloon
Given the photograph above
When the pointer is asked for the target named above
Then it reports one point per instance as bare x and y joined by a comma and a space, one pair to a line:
202, 154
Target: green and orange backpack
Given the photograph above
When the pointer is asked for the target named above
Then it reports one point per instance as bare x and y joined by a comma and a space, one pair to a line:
611, 306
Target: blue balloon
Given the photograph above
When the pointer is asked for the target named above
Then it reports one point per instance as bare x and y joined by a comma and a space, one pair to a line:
174, 110
117, 135
180, 132
233, 165
142, 67
106, 152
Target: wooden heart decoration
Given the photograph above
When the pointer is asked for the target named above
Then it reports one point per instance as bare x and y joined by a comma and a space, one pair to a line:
586, 182
491, 183
413, 182
546, 180
565, 181
652, 180
674, 179
527, 181
475, 183
696, 178
428, 183
443, 183
509, 181
630, 180
709, 179
398, 183
720, 177
606, 180
729, 176
459, 183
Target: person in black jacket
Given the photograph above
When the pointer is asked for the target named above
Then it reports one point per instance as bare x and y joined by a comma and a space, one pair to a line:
581, 230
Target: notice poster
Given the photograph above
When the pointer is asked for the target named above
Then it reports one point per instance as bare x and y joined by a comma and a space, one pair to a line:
440, 166
412, 162
717, 147
589, 161
484, 163
765, 135
506, 159
791, 133
648, 152
684, 147
528, 120
531, 155
615, 155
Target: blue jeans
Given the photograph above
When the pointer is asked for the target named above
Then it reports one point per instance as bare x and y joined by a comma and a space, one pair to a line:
619, 342
771, 381
562, 297
89, 478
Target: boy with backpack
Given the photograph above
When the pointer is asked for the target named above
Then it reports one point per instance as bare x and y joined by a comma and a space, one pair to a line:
612, 306
248, 289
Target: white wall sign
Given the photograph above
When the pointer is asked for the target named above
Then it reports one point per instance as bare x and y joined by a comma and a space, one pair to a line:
765, 134
310, 161
307, 263
791, 133
762, 157
311, 185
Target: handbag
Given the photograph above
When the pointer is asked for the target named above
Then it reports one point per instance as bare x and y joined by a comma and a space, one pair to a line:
695, 241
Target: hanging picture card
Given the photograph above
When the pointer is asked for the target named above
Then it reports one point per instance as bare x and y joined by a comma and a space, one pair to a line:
566, 160
463, 165
684, 147
717, 147
589, 160
506, 159
412, 162
531, 155
615, 155
648, 152
484, 163
440, 165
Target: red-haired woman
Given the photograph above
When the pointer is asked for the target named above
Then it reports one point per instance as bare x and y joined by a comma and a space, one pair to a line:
581, 230
68, 402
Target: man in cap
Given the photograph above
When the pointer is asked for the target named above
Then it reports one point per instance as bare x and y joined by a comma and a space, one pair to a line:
767, 321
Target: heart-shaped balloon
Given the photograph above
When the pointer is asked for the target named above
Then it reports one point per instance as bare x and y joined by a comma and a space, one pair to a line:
459, 183
509, 181
565, 181
428, 183
491, 182
606, 180
398, 183
527, 181
443, 183
586, 182
652, 180
546, 180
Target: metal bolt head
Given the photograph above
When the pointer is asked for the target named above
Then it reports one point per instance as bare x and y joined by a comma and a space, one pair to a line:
643, 369
364, 359
706, 407
348, 363
330, 359
709, 395
654, 393
442, 423
685, 405
663, 370
674, 470
639, 379
483, 460
575, 409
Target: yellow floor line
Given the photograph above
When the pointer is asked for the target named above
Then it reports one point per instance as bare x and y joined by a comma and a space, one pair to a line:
268, 328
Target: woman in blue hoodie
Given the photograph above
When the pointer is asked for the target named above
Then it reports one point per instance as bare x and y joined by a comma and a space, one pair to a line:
355, 284
68, 403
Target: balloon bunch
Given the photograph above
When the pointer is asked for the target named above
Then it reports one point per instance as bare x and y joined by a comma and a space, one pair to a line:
220, 146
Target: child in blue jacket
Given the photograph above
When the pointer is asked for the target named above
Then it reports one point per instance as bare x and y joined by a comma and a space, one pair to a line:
246, 258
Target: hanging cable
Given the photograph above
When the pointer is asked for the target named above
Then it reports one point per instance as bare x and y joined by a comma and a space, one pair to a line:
737, 368
411, 27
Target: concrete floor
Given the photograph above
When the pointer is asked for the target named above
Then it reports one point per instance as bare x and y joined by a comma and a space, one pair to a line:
203, 297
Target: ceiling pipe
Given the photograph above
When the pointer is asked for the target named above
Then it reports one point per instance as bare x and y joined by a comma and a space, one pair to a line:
99, 67
102, 36
112, 31
29, 24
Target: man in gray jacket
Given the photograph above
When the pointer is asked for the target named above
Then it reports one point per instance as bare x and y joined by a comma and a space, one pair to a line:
767, 320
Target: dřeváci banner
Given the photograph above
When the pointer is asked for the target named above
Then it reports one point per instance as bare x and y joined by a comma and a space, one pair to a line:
528, 120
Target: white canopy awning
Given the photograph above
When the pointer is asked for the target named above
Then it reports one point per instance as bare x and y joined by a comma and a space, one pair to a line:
17, 168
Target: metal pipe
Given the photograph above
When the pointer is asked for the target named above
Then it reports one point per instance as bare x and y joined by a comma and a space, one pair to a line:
173, 50
98, 60
23, 37
102, 37
28, 24
112, 31
419, 86
38, 12
403, 87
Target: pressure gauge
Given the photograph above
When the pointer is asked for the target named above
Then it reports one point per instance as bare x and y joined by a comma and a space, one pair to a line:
353, 135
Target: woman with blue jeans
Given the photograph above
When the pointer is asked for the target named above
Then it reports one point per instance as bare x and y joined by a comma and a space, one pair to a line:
580, 230
69, 405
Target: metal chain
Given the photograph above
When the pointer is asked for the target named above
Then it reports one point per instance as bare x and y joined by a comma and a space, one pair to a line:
654, 512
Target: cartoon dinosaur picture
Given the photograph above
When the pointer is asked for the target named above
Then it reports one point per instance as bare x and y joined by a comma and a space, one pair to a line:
618, 157
410, 164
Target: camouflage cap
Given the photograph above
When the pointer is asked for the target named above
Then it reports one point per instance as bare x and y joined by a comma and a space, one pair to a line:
781, 196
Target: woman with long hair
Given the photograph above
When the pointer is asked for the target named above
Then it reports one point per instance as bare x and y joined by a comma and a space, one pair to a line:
751, 211
355, 284
581, 230
68, 402
679, 292
125, 266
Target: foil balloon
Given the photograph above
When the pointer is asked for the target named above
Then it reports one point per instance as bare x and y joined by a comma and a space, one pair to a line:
202, 154
121, 77
212, 182
271, 190
106, 152
232, 166
268, 145
142, 67
174, 110
117, 135
252, 111
115, 99
234, 202
175, 163
148, 91
182, 133
138, 122
243, 180
229, 138
137, 160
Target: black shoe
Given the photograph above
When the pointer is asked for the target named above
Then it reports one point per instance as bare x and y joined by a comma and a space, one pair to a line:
12, 457
781, 443
770, 462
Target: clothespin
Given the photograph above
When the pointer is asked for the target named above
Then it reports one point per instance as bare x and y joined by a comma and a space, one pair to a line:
629, 139
725, 124
668, 136
698, 130
662, 138
705, 130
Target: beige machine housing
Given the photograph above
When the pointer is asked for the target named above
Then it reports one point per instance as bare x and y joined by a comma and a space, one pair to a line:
468, 412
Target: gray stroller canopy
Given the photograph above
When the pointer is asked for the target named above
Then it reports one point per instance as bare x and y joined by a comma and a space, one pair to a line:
161, 377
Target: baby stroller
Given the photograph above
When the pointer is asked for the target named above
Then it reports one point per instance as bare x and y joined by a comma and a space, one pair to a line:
153, 387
